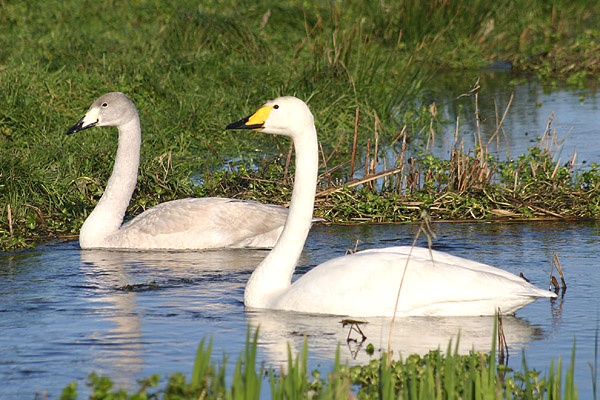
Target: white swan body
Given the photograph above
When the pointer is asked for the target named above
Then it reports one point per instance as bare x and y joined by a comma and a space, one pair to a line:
194, 223
365, 283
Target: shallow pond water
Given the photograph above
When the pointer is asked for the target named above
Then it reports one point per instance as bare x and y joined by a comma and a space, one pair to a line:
514, 114
573, 115
67, 312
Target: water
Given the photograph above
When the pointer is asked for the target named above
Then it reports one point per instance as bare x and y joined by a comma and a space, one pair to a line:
574, 115
570, 117
66, 313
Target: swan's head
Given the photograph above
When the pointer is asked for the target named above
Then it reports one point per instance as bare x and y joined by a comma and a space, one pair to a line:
287, 116
112, 109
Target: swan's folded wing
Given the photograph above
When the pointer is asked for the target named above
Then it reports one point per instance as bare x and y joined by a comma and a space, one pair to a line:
439, 256
367, 283
226, 219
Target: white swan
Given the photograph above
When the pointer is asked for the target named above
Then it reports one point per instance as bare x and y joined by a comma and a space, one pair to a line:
193, 223
365, 283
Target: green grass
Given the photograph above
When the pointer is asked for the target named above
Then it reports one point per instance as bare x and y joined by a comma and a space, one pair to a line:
436, 375
192, 67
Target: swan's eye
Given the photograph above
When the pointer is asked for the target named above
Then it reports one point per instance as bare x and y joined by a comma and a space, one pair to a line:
276, 106
104, 105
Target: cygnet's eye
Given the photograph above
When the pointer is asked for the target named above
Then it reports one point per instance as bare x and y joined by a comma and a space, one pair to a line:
276, 106
104, 105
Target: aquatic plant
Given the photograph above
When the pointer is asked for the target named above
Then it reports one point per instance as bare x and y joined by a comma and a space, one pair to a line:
437, 374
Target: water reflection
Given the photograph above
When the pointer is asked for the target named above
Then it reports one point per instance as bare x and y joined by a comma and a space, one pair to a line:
190, 262
122, 348
118, 277
414, 335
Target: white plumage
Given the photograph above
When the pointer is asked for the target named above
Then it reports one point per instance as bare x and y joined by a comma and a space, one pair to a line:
193, 223
365, 283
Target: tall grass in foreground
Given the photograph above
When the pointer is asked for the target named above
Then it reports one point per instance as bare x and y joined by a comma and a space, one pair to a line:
436, 375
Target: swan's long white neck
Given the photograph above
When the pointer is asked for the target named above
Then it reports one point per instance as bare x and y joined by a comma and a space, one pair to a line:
274, 274
108, 215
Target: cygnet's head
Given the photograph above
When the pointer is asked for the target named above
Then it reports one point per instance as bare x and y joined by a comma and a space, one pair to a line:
112, 109
283, 116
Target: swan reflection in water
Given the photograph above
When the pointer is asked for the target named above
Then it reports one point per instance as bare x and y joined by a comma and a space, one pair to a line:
411, 335
120, 283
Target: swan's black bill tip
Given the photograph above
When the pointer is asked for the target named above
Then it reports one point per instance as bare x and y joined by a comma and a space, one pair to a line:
79, 127
241, 124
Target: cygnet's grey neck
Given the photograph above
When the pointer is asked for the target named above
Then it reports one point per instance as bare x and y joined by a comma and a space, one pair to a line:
108, 215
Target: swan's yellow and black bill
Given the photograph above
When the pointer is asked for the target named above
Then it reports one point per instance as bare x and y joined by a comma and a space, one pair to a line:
255, 121
88, 121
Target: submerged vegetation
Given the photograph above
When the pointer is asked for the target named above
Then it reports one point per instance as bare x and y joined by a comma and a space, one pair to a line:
435, 375
191, 68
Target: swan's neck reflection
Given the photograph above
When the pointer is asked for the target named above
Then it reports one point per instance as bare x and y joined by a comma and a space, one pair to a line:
115, 280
